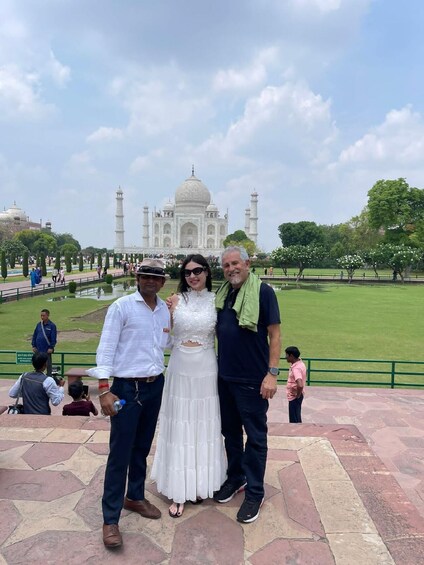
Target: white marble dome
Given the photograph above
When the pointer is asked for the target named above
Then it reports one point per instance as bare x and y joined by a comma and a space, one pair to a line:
212, 208
192, 192
13, 213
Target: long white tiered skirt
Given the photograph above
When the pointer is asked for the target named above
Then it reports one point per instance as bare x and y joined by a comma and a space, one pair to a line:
190, 460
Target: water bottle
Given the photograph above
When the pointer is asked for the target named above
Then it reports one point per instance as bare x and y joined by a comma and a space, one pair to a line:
118, 404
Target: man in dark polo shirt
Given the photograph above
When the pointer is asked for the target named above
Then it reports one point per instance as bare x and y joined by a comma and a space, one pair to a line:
249, 346
44, 338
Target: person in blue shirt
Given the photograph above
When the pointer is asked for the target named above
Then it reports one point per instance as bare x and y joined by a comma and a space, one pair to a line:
44, 338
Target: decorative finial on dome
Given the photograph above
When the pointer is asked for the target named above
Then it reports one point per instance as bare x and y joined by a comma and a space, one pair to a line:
192, 170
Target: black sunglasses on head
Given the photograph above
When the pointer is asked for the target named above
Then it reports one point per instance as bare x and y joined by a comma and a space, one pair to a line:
151, 271
196, 272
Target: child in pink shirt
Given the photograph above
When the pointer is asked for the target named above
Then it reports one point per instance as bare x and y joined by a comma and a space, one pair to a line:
295, 384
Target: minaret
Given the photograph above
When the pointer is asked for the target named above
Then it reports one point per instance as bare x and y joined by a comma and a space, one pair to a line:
146, 240
119, 223
253, 231
247, 221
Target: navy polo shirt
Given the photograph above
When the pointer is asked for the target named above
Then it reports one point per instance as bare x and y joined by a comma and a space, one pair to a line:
243, 355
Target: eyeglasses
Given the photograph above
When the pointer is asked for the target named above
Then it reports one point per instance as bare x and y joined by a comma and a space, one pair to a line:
196, 272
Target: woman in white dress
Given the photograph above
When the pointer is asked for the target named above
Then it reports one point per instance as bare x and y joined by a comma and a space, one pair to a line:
190, 462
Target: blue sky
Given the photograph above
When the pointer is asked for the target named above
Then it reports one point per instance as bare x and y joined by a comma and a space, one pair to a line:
308, 102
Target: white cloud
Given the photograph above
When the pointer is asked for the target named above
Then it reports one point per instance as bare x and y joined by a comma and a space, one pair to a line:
322, 5
250, 77
290, 115
105, 134
19, 95
60, 74
144, 162
398, 140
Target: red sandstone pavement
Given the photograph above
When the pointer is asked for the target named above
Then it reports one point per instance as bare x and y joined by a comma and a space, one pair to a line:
346, 487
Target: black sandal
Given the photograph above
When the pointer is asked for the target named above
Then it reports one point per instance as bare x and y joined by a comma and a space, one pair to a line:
177, 514
197, 501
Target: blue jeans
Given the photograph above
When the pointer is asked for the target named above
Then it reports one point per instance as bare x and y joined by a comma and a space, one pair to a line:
295, 408
131, 434
242, 406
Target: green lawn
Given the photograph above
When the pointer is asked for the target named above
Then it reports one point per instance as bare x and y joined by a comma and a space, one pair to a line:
328, 320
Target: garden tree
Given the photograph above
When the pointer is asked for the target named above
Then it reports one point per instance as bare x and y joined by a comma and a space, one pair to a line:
68, 262
3, 264
81, 263
301, 256
57, 261
25, 267
91, 261
357, 234
12, 260
107, 262
300, 233
378, 257
281, 257
75, 258
395, 207
401, 258
240, 238
350, 263
68, 249
44, 243
337, 250
43, 265
99, 260
10, 246
26, 238
66, 238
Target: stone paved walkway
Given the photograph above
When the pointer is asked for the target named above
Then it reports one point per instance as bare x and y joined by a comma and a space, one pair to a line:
345, 488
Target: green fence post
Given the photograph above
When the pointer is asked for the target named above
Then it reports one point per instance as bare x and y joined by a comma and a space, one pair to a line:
308, 380
392, 381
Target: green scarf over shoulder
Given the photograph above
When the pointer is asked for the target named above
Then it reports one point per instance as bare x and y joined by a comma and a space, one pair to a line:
246, 305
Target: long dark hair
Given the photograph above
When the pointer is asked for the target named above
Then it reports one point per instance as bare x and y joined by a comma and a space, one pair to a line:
200, 260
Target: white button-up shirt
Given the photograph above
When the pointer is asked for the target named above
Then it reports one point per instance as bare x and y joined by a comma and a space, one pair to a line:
133, 339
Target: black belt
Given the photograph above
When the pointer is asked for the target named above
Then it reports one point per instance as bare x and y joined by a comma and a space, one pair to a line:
141, 379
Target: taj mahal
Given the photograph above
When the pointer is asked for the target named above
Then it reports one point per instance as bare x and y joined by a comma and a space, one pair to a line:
190, 224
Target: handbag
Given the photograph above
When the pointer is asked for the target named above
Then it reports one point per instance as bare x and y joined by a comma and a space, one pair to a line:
17, 408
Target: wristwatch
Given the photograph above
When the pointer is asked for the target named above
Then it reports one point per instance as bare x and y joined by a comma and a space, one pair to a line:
275, 371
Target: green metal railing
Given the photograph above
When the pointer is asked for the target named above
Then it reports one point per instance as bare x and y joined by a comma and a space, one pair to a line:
320, 371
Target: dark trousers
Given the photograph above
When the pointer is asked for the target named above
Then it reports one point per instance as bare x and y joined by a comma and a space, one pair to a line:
131, 435
49, 365
295, 408
243, 407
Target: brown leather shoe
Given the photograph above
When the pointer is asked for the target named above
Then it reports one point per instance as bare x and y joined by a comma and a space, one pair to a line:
111, 536
142, 507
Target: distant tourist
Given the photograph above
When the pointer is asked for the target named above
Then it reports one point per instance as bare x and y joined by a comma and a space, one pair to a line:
295, 384
38, 389
55, 272
81, 405
33, 277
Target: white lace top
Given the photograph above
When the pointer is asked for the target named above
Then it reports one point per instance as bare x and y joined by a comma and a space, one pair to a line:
195, 318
